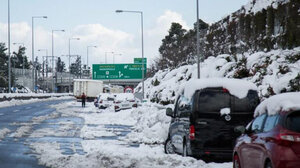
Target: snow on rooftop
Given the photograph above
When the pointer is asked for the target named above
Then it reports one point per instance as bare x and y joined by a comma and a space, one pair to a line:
258, 5
278, 103
236, 87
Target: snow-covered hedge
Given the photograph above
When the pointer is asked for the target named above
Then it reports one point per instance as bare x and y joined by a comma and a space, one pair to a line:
273, 72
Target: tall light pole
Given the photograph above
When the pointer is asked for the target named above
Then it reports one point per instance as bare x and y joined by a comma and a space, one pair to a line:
73, 38
87, 54
53, 69
9, 65
114, 57
33, 64
198, 42
142, 31
106, 56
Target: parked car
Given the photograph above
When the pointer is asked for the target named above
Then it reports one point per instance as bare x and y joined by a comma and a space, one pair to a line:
272, 139
125, 101
105, 100
205, 115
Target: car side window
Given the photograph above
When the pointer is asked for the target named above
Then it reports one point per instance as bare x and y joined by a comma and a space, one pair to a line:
258, 124
183, 105
271, 121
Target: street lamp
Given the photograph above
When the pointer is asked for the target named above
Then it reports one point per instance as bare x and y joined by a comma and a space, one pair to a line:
9, 65
106, 56
33, 67
87, 54
73, 38
53, 84
114, 57
142, 35
198, 42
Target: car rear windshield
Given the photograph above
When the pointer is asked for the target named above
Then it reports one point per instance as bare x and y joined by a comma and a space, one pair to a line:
293, 121
213, 100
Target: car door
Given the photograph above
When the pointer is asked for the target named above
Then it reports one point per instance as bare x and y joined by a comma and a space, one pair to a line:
250, 150
183, 112
173, 130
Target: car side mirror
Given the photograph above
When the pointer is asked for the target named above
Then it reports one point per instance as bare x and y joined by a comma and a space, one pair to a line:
169, 112
240, 129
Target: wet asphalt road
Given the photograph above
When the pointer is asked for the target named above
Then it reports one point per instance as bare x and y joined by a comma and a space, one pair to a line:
14, 152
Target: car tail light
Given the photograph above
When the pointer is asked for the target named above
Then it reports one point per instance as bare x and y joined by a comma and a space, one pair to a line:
117, 102
287, 139
192, 132
101, 101
116, 107
134, 105
131, 100
225, 90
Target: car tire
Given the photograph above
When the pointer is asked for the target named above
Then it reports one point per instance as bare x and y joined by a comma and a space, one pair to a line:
268, 164
169, 148
236, 161
184, 151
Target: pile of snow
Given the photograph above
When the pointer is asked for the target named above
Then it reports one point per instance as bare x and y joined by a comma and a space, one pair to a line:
14, 102
278, 103
151, 125
124, 96
12, 95
3, 132
271, 71
254, 6
236, 87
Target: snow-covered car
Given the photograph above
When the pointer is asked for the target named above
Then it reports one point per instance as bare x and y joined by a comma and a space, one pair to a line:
205, 115
272, 138
125, 101
105, 100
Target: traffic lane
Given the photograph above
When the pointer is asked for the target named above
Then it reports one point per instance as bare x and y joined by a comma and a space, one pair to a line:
25, 113
15, 152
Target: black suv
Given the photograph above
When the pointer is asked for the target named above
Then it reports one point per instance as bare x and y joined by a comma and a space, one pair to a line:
198, 127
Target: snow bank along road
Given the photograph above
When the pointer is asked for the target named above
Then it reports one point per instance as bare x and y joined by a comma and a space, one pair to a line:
64, 135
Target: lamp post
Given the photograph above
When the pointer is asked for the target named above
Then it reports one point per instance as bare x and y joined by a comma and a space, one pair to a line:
53, 69
142, 35
33, 64
114, 57
87, 54
73, 38
9, 65
198, 42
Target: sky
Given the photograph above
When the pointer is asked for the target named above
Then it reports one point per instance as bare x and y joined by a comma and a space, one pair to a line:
96, 23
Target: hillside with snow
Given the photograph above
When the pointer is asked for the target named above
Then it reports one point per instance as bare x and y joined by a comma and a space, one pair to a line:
273, 72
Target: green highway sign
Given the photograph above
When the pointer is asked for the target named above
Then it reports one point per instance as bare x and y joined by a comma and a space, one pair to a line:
139, 60
118, 71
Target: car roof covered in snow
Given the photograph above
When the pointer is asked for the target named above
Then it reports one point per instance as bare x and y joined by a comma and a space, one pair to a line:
124, 96
282, 102
236, 87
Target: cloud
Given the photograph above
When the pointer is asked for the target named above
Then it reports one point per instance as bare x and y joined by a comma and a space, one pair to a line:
160, 30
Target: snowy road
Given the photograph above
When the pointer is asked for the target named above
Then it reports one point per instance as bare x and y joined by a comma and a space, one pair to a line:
62, 134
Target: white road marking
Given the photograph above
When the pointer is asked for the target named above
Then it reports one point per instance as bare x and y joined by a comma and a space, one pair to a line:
28, 108
16, 111
1, 114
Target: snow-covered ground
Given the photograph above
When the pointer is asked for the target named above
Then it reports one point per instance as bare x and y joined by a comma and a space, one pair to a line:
147, 128
14, 102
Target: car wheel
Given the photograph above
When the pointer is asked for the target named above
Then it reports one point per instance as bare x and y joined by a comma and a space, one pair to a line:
169, 148
184, 152
268, 164
236, 161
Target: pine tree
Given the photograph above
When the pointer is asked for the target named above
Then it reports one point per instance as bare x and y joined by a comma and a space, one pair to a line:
60, 65
4, 67
76, 67
20, 58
